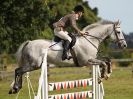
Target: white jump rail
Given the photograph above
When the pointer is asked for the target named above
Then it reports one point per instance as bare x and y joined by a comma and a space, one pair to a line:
96, 93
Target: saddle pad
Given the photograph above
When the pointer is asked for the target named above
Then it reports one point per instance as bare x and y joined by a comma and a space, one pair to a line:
56, 46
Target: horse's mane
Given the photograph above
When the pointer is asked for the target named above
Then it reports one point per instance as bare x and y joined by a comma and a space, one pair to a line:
101, 22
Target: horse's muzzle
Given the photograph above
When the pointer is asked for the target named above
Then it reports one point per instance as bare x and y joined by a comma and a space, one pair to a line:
122, 44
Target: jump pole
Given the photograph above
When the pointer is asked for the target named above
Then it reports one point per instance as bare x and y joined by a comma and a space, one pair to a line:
43, 81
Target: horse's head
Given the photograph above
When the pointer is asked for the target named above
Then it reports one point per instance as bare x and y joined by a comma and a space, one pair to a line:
104, 29
118, 36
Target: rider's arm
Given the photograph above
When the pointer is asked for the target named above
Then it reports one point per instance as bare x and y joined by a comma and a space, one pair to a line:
73, 22
74, 25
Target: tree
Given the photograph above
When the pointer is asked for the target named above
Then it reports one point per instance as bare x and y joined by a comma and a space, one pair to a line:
22, 20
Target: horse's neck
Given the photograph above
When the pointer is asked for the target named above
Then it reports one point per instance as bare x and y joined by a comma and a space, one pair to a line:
86, 43
98, 34
85, 49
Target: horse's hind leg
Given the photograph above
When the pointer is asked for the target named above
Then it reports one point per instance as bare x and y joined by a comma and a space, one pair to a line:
18, 81
18, 78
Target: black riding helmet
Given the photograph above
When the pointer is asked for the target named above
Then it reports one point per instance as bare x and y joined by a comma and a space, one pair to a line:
78, 8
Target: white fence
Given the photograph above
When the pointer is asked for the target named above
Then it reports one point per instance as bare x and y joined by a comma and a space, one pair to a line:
97, 91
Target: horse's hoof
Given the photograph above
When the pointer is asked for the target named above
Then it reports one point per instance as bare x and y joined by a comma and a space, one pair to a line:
10, 92
100, 80
13, 90
69, 57
106, 78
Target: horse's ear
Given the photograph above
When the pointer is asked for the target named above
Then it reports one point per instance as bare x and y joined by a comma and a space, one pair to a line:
117, 22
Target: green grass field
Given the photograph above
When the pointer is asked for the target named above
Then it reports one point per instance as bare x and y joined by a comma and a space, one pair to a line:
119, 86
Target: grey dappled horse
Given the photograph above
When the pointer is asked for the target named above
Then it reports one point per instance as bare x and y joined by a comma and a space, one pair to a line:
29, 54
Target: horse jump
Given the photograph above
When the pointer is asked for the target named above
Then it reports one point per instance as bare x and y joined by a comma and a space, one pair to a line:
97, 91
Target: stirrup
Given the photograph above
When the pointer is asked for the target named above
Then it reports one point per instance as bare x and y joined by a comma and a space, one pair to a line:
69, 57
64, 57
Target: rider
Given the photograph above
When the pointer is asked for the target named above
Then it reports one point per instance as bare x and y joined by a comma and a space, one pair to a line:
68, 20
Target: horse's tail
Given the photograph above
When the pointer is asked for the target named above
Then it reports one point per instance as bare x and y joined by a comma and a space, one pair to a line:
20, 50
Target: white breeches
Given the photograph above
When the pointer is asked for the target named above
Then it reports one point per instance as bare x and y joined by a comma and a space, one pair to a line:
62, 34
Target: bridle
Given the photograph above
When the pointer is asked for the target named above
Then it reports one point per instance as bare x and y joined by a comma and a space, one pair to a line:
116, 34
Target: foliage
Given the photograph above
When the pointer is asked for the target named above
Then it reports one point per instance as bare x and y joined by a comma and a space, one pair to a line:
129, 39
22, 20
105, 49
125, 54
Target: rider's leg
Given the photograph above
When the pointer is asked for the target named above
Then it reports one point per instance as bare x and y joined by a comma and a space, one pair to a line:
64, 35
66, 49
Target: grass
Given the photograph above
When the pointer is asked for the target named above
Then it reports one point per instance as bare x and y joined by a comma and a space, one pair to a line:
119, 86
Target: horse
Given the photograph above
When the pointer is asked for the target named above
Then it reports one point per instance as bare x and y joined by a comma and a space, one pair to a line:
29, 55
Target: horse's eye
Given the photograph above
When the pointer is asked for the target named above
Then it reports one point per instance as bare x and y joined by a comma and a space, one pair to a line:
118, 32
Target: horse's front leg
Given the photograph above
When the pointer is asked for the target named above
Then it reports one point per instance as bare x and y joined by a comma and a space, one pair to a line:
109, 68
102, 66
106, 69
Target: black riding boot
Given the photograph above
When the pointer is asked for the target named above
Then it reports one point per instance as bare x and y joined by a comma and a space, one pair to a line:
65, 50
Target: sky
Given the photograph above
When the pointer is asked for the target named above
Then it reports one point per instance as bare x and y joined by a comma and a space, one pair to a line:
114, 10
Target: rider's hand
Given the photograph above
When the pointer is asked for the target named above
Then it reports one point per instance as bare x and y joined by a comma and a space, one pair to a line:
82, 33
86, 33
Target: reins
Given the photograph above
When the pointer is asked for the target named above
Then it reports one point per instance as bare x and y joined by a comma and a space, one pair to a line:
91, 42
87, 34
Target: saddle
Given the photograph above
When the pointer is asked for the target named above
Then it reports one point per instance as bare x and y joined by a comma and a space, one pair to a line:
58, 43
